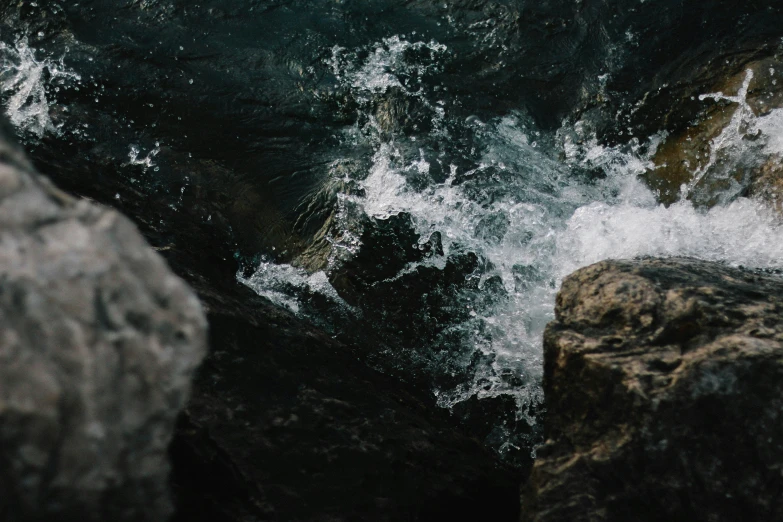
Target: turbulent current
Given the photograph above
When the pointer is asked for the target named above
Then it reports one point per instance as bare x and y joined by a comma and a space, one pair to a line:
533, 209
462, 229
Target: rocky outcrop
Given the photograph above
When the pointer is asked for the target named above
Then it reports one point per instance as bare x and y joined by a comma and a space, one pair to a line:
664, 398
98, 348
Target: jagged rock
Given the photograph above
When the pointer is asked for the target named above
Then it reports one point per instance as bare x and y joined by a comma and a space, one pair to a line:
664, 398
98, 348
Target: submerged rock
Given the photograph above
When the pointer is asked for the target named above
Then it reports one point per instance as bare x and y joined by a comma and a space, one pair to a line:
664, 401
98, 348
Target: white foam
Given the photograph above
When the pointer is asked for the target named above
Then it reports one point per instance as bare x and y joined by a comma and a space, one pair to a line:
745, 233
23, 81
746, 141
383, 67
145, 161
557, 225
283, 284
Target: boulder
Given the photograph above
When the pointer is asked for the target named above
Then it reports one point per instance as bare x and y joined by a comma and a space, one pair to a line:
664, 398
99, 344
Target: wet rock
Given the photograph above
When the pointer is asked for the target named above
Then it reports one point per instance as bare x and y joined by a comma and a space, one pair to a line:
286, 423
662, 381
670, 53
767, 182
99, 345
720, 154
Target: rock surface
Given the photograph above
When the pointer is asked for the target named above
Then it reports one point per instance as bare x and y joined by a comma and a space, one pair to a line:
664, 398
726, 149
286, 423
98, 348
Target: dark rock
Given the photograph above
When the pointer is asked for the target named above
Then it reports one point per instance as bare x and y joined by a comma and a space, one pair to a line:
662, 381
99, 345
287, 424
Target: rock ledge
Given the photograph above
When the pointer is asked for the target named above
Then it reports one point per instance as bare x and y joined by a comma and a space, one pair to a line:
664, 386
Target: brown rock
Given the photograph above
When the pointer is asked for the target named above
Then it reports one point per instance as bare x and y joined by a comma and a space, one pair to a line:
663, 386
688, 150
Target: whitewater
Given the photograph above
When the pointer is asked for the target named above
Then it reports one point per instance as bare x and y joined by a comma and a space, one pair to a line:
533, 207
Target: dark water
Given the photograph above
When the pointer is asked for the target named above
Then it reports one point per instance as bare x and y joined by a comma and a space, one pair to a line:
415, 177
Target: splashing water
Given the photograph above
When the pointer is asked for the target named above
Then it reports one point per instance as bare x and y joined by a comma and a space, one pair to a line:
275, 282
144, 161
531, 206
744, 144
381, 70
24, 80
729, 137
532, 218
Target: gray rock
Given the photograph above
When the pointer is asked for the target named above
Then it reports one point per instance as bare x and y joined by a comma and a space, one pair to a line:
98, 344
664, 396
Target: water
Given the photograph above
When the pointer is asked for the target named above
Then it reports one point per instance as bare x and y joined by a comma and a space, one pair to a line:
532, 207
29, 83
449, 236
